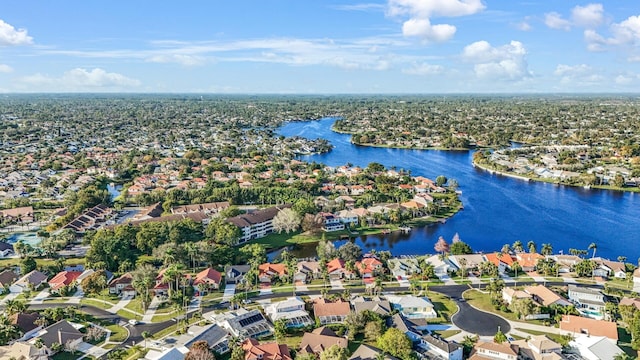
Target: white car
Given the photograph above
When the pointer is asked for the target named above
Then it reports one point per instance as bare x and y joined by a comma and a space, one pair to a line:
133, 322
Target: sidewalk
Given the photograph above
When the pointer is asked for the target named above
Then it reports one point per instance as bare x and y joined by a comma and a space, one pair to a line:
155, 302
39, 299
120, 305
75, 299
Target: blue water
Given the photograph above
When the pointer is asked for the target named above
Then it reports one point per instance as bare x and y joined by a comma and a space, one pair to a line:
497, 210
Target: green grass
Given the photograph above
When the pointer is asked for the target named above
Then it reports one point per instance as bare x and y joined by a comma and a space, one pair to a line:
118, 333
96, 303
135, 305
444, 306
624, 342
42, 263
555, 337
63, 355
127, 314
483, 302
276, 241
447, 333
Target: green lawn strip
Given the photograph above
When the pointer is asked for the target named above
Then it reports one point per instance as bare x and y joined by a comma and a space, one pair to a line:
164, 317
118, 333
63, 355
127, 314
42, 263
96, 303
555, 337
135, 305
447, 333
444, 307
483, 302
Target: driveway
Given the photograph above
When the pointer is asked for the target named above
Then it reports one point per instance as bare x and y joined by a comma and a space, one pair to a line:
89, 349
337, 285
42, 295
229, 291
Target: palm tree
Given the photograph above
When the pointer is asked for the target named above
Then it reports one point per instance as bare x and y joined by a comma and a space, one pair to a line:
531, 245
146, 335
517, 246
594, 247
14, 306
547, 249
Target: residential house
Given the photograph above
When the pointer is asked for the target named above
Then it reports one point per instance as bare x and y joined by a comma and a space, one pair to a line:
208, 208
589, 301
406, 326
26, 322
336, 270
253, 350
441, 266
321, 202
636, 280
528, 261
582, 325
331, 313
173, 353
307, 271
472, 261
502, 261
490, 350
62, 279
368, 352
91, 219
369, 267
24, 351
150, 212
319, 340
235, 273
566, 262
331, 222
33, 280
88, 272
539, 347
120, 284
6, 250
23, 215
213, 334
347, 217
377, 305
7, 278
291, 311
413, 307
268, 272
348, 201
440, 348
545, 297
626, 301
257, 224
62, 333
606, 268
405, 267
207, 279
245, 324
595, 347
510, 294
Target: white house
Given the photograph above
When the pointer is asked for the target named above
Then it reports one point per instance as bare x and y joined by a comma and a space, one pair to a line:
595, 347
413, 307
441, 348
636, 280
589, 301
347, 217
291, 310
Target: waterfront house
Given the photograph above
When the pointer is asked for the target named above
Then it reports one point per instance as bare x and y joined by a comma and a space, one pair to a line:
291, 311
235, 273
6, 250
62, 279
501, 260
33, 280
626, 301
528, 261
330, 312
337, 270
566, 262
307, 271
589, 301
257, 224
583, 325
320, 340
331, 222
636, 280
368, 268
268, 272
208, 278
405, 267
607, 268
472, 261
347, 217
253, 350
244, 324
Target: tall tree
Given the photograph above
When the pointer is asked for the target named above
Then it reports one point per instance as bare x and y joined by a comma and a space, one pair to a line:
441, 246
594, 247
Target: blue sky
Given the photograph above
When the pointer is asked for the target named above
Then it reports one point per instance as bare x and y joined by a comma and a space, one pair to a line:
320, 47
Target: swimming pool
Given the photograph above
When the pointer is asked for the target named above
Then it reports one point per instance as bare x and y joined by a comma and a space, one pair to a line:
28, 238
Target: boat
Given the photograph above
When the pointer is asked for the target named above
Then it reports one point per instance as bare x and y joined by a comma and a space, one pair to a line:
405, 228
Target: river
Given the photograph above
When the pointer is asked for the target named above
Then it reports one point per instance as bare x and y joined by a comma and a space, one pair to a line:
497, 210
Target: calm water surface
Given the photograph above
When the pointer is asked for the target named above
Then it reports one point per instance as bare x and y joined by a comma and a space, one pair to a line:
497, 210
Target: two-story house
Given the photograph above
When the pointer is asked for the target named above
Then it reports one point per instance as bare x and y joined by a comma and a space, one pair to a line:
590, 302
291, 311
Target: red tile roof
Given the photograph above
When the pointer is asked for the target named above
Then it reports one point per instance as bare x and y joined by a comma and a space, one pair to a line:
208, 276
578, 324
63, 278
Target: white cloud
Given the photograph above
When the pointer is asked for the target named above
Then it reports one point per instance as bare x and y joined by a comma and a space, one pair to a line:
420, 13
578, 75
572, 70
588, 16
186, 60
79, 79
625, 33
5, 68
524, 26
504, 62
360, 7
627, 79
424, 69
423, 28
10, 36
555, 21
